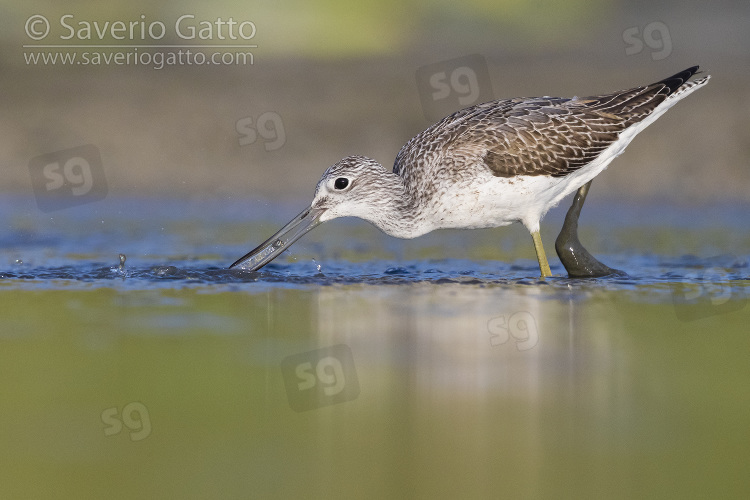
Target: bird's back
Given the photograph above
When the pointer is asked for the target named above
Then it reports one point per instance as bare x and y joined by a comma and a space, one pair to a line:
537, 136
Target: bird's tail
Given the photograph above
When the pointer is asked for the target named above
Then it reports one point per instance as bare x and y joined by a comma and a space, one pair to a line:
676, 85
636, 103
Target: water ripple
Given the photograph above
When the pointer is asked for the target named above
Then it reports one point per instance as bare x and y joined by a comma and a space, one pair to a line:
644, 271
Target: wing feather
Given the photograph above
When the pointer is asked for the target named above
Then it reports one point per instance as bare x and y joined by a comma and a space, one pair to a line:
537, 136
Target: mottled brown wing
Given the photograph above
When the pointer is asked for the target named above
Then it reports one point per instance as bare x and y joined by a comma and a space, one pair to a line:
546, 141
552, 136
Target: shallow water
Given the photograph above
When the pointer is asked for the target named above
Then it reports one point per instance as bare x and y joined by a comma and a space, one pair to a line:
363, 366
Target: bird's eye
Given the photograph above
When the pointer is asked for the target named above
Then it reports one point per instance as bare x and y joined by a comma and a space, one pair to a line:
341, 183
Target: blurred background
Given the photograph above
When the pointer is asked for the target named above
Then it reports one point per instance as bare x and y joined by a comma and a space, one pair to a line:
328, 79
460, 374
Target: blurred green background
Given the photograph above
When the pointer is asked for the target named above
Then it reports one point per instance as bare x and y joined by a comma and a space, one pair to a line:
621, 398
341, 80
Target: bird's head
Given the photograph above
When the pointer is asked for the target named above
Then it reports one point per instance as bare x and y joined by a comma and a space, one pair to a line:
356, 186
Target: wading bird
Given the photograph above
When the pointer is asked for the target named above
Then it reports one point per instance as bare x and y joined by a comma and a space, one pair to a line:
488, 165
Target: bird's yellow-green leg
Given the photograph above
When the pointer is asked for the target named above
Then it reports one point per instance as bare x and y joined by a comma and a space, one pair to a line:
540, 255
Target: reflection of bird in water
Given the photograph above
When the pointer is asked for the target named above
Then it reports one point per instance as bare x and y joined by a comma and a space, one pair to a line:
485, 166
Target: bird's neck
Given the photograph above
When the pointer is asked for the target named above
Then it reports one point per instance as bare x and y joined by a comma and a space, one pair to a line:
397, 212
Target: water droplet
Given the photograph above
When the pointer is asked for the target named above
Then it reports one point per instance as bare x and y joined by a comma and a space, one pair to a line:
19, 261
278, 243
122, 262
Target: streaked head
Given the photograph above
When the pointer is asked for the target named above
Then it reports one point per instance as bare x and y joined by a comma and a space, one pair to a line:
353, 187
356, 186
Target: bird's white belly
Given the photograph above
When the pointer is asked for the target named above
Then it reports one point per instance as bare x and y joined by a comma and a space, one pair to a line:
492, 201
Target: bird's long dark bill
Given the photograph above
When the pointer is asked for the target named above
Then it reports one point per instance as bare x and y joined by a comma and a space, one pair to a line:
276, 244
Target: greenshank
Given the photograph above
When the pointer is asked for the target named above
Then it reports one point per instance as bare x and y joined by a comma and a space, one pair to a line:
488, 165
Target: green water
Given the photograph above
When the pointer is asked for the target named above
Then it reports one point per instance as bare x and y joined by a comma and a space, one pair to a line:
454, 391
